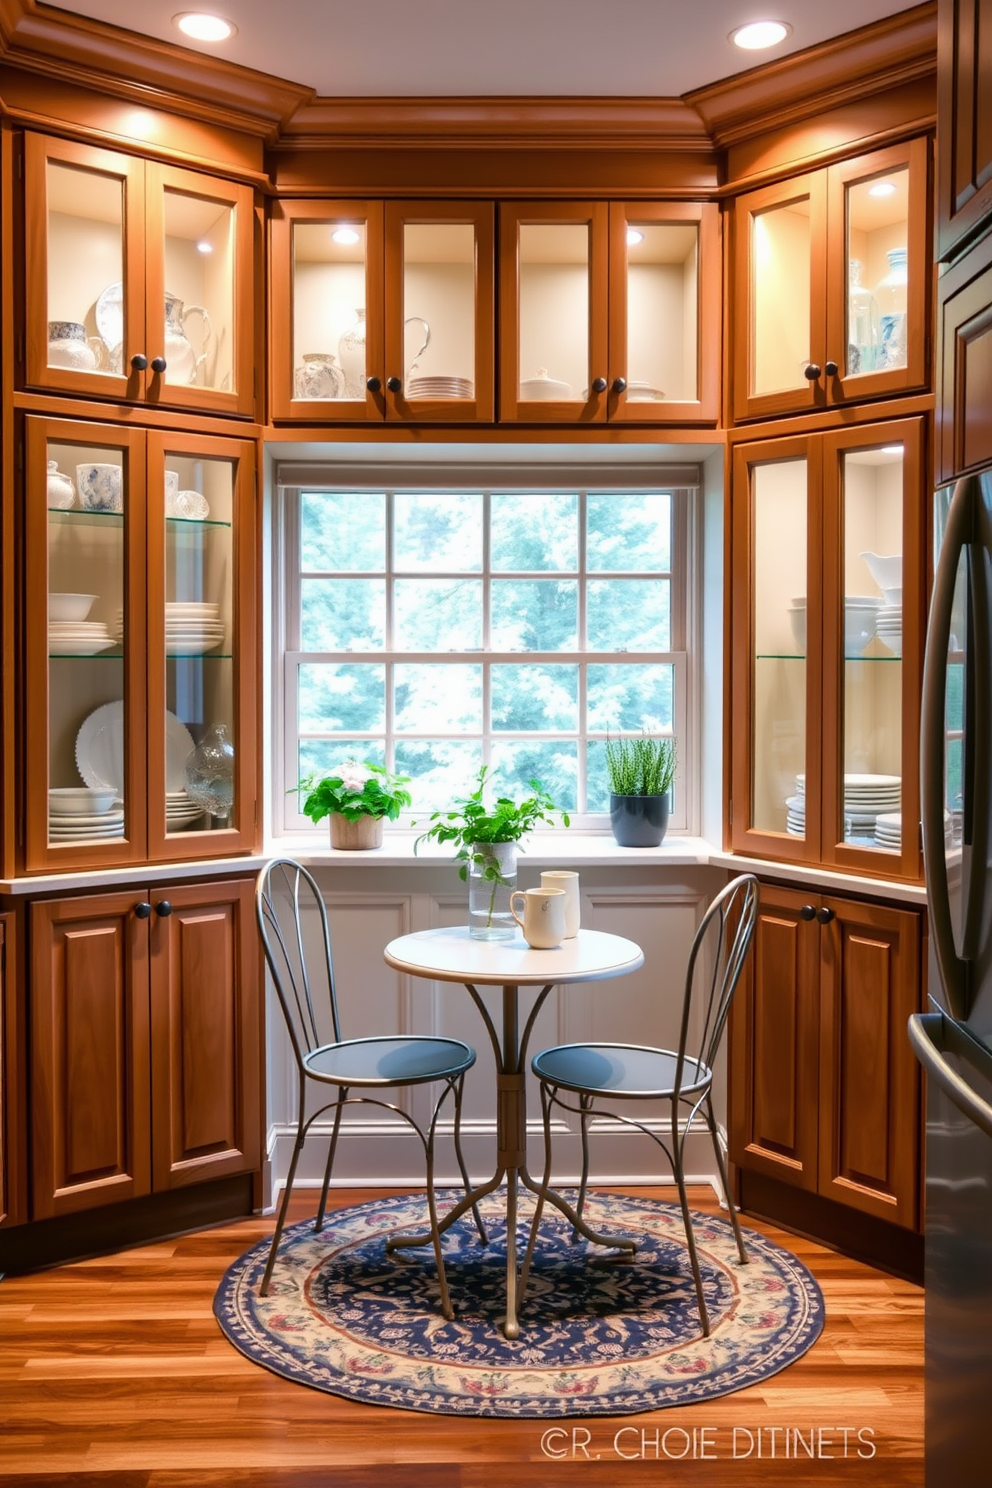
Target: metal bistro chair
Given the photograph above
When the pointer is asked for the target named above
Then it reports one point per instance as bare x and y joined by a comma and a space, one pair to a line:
291, 915
682, 1076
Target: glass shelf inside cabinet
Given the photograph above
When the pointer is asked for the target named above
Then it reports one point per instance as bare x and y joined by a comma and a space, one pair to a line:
877, 282
86, 709
871, 806
198, 633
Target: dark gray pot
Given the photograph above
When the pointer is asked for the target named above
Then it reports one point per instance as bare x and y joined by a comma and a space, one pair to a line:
639, 821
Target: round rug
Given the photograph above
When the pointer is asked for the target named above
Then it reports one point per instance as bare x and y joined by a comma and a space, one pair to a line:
344, 1317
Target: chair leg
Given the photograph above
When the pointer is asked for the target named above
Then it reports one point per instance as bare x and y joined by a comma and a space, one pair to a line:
263, 1290
319, 1223
721, 1163
687, 1221
539, 1206
459, 1090
446, 1307
585, 1102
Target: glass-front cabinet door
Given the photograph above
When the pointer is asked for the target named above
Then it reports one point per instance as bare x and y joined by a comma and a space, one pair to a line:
202, 724
664, 312
138, 280
85, 616
439, 329
554, 278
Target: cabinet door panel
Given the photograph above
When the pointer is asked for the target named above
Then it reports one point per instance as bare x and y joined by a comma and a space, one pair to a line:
869, 1084
964, 372
13, 1118
964, 105
774, 1046
89, 1053
205, 1011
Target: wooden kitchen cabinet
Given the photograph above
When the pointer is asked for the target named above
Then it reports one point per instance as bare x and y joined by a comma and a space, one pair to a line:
831, 285
382, 311
964, 364
139, 282
163, 653
13, 1131
145, 1037
609, 312
964, 106
827, 603
825, 1093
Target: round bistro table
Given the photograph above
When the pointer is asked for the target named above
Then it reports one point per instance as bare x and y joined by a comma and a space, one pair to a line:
451, 955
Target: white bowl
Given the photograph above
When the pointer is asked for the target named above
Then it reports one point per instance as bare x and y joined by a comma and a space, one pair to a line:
886, 570
70, 606
859, 627
893, 596
544, 388
81, 800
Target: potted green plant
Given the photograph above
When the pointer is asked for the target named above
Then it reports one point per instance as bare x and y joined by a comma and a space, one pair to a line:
641, 772
357, 797
486, 840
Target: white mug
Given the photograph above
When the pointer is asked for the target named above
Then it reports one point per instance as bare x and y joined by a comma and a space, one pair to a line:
557, 878
543, 920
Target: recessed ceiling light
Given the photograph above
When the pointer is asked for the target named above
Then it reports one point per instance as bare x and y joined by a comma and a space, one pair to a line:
757, 35
634, 236
205, 247
203, 27
882, 188
345, 235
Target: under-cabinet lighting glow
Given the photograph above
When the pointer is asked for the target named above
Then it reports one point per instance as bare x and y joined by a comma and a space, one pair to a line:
202, 27
346, 235
882, 188
891, 449
757, 35
204, 247
634, 237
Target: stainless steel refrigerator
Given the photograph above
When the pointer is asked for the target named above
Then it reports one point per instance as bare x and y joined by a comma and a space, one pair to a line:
954, 1039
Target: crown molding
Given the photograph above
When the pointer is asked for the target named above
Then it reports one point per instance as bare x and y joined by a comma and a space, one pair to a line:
898, 49
140, 69
498, 123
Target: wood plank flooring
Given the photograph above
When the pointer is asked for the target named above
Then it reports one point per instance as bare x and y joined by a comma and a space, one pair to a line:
114, 1372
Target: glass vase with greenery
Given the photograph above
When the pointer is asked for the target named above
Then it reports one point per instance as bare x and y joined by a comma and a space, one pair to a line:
641, 772
486, 840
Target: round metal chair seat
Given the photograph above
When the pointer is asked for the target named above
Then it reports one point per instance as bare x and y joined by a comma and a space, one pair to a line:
382, 1062
622, 1070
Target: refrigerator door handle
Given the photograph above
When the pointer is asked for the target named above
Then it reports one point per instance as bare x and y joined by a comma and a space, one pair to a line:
954, 972
976, 783
929, 1034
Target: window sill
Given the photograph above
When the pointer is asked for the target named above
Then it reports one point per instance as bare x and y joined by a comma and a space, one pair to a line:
543, 850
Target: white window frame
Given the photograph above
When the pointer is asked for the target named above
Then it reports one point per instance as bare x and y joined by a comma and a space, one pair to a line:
681, 482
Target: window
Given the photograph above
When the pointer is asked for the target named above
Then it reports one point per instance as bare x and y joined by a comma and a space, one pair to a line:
435, 630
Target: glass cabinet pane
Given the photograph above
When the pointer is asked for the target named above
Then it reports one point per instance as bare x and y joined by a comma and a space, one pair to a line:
662, 274
199, 291
86, 327
778, 723
872, 487
877, 213
439, 309
87, 508
553, 263
329, 327
199, 643
780, 297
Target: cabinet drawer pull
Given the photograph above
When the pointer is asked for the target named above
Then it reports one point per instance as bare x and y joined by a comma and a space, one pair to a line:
824, 915
142, 910
139, 362
813, 371
807, 912
374, 384
393, 384
619, 384
599, 384
831, 369
163, 909
158, 364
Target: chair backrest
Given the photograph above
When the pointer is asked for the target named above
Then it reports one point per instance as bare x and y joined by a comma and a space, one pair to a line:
292, 923
719, 950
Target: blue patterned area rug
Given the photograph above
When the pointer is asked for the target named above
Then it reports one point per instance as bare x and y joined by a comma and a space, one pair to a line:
344, 1317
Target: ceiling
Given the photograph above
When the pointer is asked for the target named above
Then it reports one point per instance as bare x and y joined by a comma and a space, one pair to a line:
458, 48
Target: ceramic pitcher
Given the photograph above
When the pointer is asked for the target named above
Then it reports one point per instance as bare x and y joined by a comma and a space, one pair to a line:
182, 362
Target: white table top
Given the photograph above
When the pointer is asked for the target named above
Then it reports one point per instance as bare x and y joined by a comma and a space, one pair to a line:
450, 955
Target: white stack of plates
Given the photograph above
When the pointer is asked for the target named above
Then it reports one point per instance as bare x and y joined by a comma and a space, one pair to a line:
78, 814
795, 815
888, 627
866, 797
888, 830
180, 811
78, 637
441, 387
191, 627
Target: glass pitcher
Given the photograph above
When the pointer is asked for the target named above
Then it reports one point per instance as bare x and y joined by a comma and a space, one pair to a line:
182, 362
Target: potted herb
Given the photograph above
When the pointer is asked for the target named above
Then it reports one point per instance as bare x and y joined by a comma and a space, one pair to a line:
641, 772
486, 839
357, 798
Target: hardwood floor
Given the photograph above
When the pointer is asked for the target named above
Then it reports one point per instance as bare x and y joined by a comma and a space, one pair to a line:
113, 1371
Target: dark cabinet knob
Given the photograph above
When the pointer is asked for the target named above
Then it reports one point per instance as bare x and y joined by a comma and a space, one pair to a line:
807, 912
374, 384
158, 364
831, 369
142, 910
824, 915
619, 385
163, 909
393, 384
599, 384
139, 362
813, 371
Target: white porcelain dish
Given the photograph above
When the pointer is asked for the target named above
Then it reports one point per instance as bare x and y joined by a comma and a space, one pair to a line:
78, 646
70, 606
544, 389
77, 800
100, 749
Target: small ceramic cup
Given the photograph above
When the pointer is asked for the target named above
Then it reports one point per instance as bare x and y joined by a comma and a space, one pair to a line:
557, 878
100, 487
543, 921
